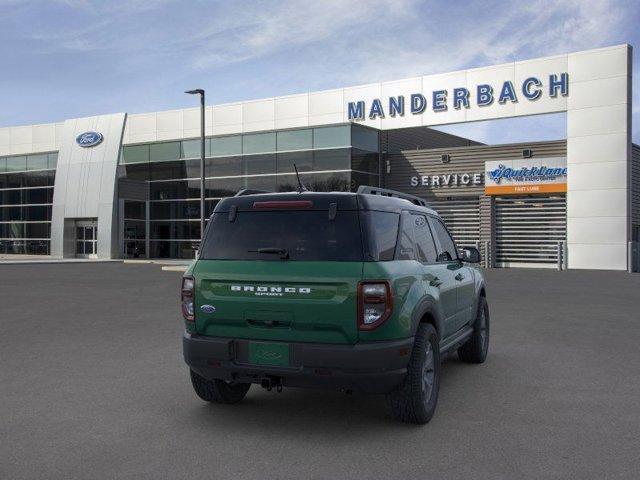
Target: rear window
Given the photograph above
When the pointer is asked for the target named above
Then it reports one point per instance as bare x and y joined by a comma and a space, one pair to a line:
304, 235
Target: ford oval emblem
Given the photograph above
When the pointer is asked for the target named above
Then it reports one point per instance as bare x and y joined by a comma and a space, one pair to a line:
89, 139
207, 308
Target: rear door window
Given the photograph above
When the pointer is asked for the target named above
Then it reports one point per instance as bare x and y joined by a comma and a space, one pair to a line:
303, 235
406, 244
447, 247
424, 240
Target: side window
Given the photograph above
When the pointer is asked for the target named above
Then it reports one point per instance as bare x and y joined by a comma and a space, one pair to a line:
424, 241
406, 244
447, 248
383, 234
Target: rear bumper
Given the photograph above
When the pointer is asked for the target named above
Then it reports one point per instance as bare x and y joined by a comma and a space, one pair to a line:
373, 367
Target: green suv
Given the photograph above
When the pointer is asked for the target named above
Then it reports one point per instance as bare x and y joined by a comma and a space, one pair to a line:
357, 291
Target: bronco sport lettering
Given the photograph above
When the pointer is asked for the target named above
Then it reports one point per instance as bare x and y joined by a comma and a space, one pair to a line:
385, 294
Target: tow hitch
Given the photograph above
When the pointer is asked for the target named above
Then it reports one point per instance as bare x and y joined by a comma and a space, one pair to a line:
269, 383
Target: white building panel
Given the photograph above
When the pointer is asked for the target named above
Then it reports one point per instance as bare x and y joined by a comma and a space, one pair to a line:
598, 93
494, 76
609, 174
44, 133
258, 115
541, 69
448, 82
326, 103
21, 135
295, 106
598, 148
226, 119
394, 89
596, 230
597, 120
598, 256
170, 122
596, 203
599, 63
85, 184
367, 93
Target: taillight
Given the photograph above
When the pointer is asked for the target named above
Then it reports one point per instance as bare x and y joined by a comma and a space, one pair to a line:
375, 303
188, 284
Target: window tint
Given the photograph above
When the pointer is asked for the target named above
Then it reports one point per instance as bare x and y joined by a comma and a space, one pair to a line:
305, 235
406, 244
424, 241
382, 234
295, 140
447, 250
328, 137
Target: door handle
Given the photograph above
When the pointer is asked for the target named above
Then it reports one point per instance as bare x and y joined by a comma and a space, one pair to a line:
436, 282
459, 277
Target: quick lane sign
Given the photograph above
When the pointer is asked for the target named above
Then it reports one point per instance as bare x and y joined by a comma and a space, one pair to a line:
482, 95
513, 177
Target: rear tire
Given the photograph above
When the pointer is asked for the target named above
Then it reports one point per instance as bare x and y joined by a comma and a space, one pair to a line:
477, 347
415, 400
218, 391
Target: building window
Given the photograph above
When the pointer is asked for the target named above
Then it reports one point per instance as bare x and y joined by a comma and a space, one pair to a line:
26, 197
295, 140
332, 137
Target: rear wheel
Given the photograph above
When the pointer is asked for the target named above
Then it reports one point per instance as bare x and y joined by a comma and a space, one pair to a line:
414, 401
477, 347
218, 391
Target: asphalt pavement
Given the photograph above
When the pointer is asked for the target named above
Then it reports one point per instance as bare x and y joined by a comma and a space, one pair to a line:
93, 386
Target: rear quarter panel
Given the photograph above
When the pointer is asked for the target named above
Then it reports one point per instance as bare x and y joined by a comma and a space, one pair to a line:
408, 292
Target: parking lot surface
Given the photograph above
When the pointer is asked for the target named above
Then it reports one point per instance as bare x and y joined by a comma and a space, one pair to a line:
93, 385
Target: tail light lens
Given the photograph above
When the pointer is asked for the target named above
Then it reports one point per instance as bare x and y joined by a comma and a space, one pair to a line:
188, 284
375, 303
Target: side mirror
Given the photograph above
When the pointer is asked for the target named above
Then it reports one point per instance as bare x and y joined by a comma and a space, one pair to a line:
471, 255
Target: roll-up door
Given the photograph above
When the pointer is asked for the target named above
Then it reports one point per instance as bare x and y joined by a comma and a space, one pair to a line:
462, 217
528, 230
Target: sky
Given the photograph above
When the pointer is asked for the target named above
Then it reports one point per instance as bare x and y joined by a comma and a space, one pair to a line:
74, 58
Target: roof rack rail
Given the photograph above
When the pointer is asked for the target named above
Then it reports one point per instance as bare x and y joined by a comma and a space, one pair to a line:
248, 191
385, 192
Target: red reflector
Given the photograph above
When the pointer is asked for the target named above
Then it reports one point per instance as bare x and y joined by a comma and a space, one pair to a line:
403, 352
323, 372
213, 363
283, 204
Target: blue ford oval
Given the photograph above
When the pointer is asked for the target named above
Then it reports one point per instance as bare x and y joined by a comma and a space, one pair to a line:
208, 308
89, 139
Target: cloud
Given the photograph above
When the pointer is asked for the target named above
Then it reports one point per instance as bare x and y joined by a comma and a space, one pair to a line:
267, 47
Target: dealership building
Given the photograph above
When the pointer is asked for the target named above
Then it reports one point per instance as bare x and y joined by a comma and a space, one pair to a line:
127, 185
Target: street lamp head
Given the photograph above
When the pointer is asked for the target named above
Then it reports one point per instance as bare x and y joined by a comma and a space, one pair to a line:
198, 91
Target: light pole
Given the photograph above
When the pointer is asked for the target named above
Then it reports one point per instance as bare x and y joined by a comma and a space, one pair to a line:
200, 91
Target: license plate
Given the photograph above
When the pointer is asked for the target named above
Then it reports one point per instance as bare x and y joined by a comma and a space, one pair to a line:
275, 354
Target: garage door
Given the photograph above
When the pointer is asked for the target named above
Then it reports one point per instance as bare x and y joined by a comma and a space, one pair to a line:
462, 218
528, 230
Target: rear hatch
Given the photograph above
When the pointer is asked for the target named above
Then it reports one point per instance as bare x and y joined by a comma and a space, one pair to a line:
283, 270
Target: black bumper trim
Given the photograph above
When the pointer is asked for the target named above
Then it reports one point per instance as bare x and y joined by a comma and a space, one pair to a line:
372, 367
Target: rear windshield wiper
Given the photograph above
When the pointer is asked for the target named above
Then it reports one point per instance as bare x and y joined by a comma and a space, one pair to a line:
284, 254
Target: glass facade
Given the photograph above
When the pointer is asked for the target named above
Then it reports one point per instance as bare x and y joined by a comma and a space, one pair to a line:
336, 158
26, 196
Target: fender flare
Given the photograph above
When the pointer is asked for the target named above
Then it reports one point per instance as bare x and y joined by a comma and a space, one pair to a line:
427, 305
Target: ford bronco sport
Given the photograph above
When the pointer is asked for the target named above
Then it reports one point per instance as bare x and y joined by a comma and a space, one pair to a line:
357, 291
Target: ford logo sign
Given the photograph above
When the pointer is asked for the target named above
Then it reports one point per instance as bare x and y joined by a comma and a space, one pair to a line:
89, 139
208, 308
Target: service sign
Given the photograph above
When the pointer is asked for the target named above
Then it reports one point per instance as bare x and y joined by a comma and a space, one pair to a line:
524, 176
